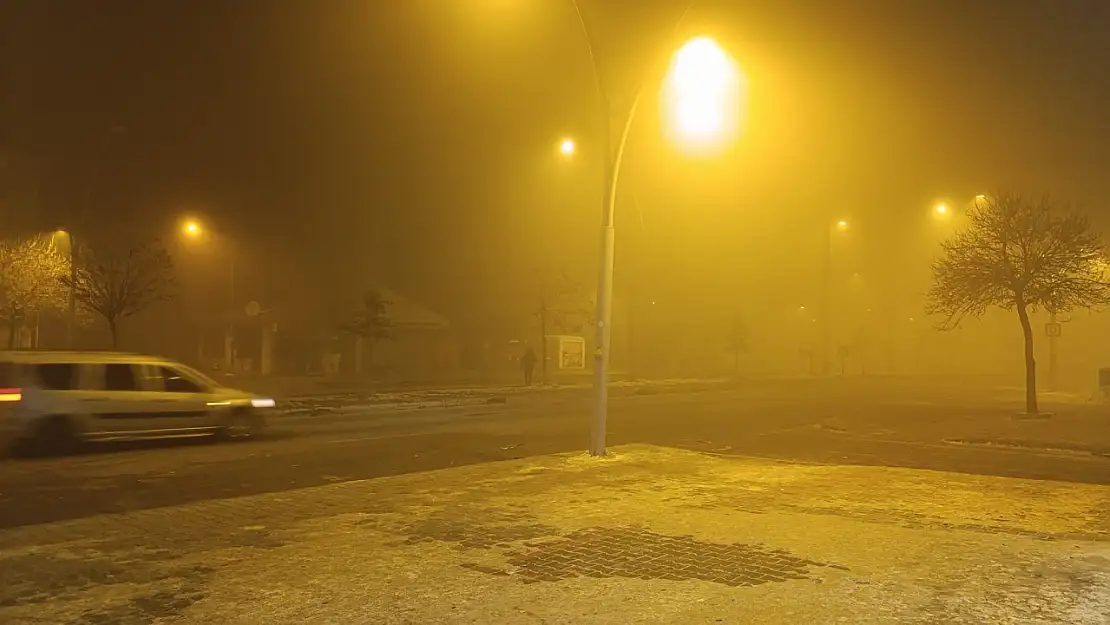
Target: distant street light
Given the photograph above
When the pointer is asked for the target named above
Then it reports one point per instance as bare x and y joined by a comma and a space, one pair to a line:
697, 92
567, 147
193, 229
826, 294
942, 209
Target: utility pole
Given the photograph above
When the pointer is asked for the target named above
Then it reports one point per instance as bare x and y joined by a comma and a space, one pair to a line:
826, 297
826, 293
229, 331
1053, 336
543, 337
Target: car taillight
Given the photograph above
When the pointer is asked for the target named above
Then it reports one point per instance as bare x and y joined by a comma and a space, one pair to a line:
11, 394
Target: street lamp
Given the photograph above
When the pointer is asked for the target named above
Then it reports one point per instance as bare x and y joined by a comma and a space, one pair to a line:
826, 293
695, 86
941, 209
567, 147
193, 229
700, 95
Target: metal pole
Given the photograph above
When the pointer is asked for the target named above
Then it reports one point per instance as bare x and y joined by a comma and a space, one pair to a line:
1052, 354
608, 239
229, 336
826, 288
605, 290
71, 313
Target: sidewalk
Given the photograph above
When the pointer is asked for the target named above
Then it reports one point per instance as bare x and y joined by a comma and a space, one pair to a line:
652, 535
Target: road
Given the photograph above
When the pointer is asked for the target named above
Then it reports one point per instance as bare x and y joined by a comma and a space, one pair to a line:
942, 426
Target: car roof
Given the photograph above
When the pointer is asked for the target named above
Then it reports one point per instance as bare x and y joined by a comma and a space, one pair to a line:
47, 356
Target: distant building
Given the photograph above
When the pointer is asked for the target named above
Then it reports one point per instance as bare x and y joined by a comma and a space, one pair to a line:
309, 340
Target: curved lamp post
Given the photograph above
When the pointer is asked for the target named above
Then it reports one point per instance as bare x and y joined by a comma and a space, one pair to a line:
698, 88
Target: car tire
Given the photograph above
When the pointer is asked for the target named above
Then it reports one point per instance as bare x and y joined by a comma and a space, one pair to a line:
240, 425
52, 436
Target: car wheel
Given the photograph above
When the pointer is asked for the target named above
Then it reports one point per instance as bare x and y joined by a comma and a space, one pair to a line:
240, 425
53, 436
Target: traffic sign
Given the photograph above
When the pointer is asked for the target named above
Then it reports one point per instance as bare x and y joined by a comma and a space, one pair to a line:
1052, 329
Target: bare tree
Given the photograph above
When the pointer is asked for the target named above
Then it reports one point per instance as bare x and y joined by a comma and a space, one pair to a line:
116, 282
31, 270
560, 306
371, 322
1021, 254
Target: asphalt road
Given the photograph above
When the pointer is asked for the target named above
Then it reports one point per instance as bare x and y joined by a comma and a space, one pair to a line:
943, 426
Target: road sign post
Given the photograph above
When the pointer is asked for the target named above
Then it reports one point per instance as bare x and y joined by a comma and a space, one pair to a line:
1052, 330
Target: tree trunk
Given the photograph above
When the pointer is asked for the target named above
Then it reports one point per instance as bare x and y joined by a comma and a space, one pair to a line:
11, 331
115, 334
370, 357
1030, 361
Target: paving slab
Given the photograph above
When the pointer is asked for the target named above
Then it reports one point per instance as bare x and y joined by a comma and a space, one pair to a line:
649, 535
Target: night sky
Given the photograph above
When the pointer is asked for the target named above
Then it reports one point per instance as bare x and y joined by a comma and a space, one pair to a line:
412, 140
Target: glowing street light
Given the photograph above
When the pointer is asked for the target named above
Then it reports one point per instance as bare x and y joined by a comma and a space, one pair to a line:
841, 225
567, 147
941, 209
191, 228
701, 95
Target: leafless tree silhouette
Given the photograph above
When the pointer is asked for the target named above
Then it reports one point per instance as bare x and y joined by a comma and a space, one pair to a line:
1023, 254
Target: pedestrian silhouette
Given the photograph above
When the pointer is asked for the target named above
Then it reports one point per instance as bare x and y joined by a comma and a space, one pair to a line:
528, 365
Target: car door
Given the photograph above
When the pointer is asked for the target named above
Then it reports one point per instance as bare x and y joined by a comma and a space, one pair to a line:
183, 399
123, 405
88, 400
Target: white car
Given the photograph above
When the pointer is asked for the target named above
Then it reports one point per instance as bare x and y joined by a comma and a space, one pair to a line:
53, 401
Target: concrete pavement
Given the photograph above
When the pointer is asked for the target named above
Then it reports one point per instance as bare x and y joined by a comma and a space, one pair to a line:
652, 535
142, 532
896, 427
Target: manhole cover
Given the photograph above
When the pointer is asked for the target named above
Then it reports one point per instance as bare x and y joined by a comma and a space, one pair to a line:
638, 553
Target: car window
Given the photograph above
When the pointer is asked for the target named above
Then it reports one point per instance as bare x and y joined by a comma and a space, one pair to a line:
174, 382
88, 377
56, 376
149, 377
190, 373
119, 377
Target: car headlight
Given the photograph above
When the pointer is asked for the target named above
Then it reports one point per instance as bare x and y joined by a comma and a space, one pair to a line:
262, 403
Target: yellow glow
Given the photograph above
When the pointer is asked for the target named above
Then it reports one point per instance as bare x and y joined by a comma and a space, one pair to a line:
567, 147
981, 197
701, 95
191, 228
842, 225
941, 209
